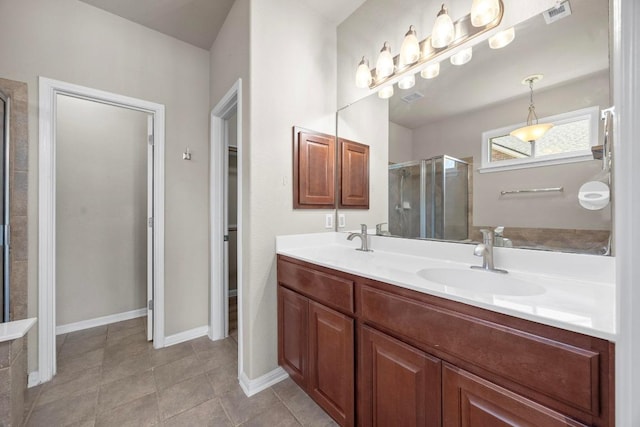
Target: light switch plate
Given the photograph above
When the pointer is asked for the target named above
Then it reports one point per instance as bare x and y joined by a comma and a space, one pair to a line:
328, 221
342, 221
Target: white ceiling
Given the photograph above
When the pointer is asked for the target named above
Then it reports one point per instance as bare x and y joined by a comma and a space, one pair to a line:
198, 21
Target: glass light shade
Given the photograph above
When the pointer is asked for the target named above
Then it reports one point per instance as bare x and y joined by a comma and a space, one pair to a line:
431, 71
407, 82
363, 74
384, 66
462, 57
501, 39
443, 31
532, 132
386, 92
484, 11
410, 49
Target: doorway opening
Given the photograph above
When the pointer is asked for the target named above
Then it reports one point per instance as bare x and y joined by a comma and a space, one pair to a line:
104, 215
226, 219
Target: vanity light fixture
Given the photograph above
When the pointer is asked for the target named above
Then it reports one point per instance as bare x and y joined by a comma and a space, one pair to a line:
384, 66
484, 11
533, 130
462, 57
502, 38
421, 57
363, 75
407, 82
431, 71
386, 92
443, 31
410, 49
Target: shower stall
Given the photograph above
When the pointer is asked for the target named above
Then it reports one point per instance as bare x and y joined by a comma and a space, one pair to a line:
429, 199
5, 110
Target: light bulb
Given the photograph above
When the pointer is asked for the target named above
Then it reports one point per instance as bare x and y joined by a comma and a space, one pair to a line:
462, 57
386, 92
501, 39
363, 74
484, 11
407, 82
410, 49
443, 31
431, 71
384, 66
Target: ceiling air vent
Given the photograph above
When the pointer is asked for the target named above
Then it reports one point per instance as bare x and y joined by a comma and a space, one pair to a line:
412, 97
562, 10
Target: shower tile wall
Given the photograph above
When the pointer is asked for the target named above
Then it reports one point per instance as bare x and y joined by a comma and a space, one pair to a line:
18, 189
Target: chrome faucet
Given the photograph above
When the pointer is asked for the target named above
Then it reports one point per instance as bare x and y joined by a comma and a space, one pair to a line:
363, 237
485, 250
380, 231
499, 240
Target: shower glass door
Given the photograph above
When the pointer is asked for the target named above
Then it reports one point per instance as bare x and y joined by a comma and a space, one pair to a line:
4, 207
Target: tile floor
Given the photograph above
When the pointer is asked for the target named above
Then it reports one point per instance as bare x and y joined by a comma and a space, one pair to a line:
111, 376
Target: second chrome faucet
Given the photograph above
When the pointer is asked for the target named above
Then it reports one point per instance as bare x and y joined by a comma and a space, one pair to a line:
485, 250
363, 237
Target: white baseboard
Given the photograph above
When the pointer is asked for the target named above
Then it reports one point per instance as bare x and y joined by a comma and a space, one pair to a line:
99, 321
186, 335
251, 387
33, 379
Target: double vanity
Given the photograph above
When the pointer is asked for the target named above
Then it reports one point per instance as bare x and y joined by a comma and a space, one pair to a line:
409, 334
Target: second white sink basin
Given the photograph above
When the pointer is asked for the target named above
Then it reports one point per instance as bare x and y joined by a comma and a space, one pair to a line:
481, 281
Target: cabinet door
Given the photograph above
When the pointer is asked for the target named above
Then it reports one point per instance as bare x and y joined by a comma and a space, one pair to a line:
292, 334
354, 175
313, 170
470, 401
398, 384
331, 362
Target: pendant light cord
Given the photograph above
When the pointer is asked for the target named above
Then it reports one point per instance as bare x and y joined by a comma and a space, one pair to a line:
532, 108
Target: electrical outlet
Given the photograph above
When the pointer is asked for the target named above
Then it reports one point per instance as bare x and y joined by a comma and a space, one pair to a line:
328, 221
342, 221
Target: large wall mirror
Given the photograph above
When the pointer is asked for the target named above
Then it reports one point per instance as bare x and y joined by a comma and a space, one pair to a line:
443, 163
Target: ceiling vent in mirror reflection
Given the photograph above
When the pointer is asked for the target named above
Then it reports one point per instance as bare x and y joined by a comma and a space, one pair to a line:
562, 10
412, 97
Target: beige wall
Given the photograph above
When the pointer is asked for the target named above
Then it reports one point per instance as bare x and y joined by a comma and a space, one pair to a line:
461, 136
400, 143
101, 210
293, 82
74, 42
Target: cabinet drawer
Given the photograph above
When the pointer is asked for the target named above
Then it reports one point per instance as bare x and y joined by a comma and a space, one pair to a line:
328, 289
564, 372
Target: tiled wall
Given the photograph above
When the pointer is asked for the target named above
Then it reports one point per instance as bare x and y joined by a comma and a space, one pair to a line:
19, 163
13, 354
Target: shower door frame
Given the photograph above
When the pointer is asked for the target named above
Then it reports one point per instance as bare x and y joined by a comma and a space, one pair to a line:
5, 227
48, 90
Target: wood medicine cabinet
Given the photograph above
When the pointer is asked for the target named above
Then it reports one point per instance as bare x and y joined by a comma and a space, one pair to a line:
313, 170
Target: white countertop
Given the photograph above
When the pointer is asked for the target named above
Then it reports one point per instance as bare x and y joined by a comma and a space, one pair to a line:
578, 291
16, 329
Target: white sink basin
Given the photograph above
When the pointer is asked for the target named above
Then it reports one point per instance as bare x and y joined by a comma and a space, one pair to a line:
481, 281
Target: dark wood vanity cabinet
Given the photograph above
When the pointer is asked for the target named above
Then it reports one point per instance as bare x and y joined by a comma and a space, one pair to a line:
316, 337
429, 361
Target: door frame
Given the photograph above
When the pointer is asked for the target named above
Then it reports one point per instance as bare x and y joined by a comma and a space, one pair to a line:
48, 89
217, 187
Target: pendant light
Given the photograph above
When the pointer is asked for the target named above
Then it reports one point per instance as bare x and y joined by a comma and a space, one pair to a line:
384, 66
501, 39
363, 74
431, 71
443, 30
410, 49
484, 11
533, 130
